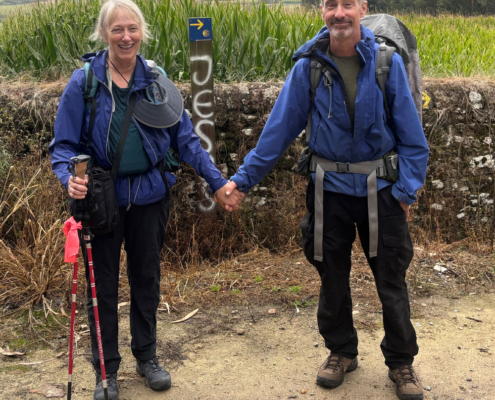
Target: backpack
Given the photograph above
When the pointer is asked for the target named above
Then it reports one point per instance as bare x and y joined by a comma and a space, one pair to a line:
391, 32
393, 36
171, 161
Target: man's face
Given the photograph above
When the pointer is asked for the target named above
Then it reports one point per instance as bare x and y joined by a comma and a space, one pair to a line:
342, 17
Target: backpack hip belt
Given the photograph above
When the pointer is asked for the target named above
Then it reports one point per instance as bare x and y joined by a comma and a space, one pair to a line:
374, 169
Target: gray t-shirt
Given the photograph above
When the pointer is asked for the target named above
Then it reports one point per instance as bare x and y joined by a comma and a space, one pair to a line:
349, 68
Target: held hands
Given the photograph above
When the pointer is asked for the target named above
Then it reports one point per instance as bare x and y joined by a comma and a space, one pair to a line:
229, 197
78, 187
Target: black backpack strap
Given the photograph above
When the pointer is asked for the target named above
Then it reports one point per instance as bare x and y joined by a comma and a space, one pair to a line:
317, 70
90, 99
382, 71
123, 135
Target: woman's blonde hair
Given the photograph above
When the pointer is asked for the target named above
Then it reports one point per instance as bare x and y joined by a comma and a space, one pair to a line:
108, 12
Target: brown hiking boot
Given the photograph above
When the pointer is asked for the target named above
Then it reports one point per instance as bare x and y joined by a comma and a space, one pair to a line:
407, 383
331, 373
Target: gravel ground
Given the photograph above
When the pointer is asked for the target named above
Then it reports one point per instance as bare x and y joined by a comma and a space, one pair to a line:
278, 355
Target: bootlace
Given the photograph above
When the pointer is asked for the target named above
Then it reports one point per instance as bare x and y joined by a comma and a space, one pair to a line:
406, 375
334, 361
154, 365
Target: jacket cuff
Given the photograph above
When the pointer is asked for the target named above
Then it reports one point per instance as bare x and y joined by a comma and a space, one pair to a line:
401, 196
217, 184
240, 186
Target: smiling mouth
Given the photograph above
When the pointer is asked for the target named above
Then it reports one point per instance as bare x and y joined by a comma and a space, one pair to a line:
126, 47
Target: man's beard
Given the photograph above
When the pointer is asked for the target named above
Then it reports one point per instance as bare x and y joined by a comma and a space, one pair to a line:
340, 33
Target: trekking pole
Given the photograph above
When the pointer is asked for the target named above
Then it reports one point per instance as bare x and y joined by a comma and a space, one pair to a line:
72, 322
87, 241
77, 167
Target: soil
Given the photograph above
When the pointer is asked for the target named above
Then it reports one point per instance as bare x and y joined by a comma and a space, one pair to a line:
278, 355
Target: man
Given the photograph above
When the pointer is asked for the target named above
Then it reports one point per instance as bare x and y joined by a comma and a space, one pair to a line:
350, 131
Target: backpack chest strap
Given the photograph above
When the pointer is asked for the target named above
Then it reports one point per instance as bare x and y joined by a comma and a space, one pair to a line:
374, 169
316, 71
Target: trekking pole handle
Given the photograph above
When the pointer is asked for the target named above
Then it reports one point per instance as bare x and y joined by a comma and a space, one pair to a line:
78, 165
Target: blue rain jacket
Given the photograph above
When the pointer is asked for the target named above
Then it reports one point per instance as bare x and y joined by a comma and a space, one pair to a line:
332, 138
71, 127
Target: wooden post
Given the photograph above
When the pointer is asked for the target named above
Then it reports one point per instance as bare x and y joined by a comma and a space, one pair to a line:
200, 40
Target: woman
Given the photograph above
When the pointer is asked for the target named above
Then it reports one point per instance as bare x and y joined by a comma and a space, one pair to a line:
141, 191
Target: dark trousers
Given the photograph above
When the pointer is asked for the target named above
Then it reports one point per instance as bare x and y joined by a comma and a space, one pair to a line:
342, 213
142, 229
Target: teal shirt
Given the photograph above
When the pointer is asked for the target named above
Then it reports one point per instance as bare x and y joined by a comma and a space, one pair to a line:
135, 160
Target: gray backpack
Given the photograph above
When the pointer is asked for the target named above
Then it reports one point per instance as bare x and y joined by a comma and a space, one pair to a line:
391, 32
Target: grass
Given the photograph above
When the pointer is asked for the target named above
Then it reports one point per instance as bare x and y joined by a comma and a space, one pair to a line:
251, 40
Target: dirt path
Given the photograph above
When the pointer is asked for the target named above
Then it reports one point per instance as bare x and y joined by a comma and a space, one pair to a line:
277, 357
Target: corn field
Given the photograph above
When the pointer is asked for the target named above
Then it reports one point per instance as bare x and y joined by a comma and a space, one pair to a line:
251, 41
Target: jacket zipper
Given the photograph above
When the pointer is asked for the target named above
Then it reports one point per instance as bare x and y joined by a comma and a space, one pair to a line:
139, 185
110, 122
129, 202
346, 99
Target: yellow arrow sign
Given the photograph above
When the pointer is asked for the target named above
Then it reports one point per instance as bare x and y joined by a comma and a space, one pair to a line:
199, 24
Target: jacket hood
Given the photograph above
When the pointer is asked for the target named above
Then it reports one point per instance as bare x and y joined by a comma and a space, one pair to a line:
304, 51
142, 76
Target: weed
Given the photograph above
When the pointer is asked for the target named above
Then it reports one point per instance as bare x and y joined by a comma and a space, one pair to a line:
11, 368
31, 251
294, 289
275, 289
237, 291
18, 343
258, 278
216, 288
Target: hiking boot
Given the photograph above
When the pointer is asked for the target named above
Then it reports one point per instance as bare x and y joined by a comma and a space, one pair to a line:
406, 382
331, 373
158, 379
113, 390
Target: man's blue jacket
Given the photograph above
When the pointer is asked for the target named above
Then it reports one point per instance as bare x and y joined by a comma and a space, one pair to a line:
332, 138
71, 128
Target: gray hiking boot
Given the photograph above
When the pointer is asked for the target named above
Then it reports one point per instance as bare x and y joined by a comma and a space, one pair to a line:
113, 390
407, 383
331, 373
158, 379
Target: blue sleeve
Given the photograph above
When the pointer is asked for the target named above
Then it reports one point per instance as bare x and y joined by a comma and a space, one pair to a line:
288, 118
410, 139
188, 146
68, 126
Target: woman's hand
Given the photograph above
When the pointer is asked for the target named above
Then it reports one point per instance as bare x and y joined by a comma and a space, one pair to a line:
229, 197
78, 188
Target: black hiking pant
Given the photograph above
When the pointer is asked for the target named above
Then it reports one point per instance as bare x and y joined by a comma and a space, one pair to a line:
142, 229
342, 213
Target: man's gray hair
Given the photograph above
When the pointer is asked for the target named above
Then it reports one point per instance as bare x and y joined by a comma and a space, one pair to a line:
361, 2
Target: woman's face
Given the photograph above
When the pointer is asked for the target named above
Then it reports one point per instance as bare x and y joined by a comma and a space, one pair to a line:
123, 37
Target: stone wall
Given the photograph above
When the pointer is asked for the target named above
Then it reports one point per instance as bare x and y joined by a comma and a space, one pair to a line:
459, 192
456, 202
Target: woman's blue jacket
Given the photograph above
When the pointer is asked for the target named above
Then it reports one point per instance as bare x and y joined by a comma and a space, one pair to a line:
332, 138
71, 128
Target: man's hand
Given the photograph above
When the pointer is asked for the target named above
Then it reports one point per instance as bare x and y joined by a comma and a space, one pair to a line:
405, 207
229, 197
